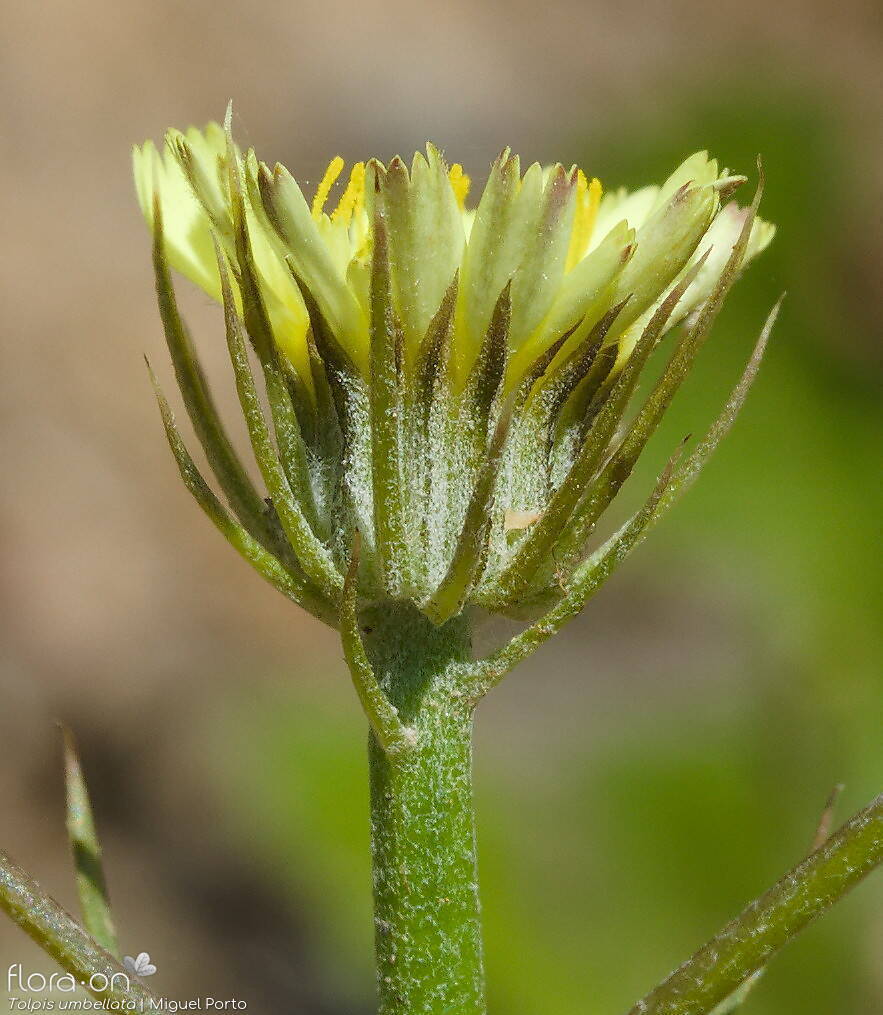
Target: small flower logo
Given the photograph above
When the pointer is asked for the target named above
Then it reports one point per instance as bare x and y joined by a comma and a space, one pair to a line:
140, 966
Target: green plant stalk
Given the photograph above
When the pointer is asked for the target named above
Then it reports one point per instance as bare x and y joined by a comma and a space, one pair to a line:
427, 914
62, 938
762, 928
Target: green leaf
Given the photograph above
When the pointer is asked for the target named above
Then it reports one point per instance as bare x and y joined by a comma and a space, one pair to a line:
333, 370
344, 430
654, 408
470, 555
86, 849
432, 425
585, 360
326, 438
305, 400
434, 355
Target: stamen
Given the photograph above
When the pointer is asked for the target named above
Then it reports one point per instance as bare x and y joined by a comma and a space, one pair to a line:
353, 197
460, 183
335, 168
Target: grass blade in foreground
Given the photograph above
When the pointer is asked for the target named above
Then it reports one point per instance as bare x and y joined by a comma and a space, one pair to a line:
91, 885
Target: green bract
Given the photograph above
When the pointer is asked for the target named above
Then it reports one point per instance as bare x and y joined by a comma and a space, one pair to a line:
451, 383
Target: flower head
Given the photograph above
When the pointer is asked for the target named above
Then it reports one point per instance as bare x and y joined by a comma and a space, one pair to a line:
447, 380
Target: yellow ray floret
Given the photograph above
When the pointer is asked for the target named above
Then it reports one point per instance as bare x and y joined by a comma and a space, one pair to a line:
335, 168
565, 254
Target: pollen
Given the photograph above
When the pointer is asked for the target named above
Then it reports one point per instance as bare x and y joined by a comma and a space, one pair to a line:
335, 168
588, 198
353, 197
460, 183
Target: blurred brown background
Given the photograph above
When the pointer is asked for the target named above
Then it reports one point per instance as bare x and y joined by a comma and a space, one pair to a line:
643, 777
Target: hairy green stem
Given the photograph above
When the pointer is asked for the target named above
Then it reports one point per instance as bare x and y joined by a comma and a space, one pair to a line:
62, 938
427, 919
760, 930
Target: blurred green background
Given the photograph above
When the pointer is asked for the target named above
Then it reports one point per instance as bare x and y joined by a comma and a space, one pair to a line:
644, 775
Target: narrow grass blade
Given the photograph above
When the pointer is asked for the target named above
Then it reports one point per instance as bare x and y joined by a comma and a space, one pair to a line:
295, 586
86, 849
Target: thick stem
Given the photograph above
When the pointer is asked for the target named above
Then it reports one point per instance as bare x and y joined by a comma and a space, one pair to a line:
427, 920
